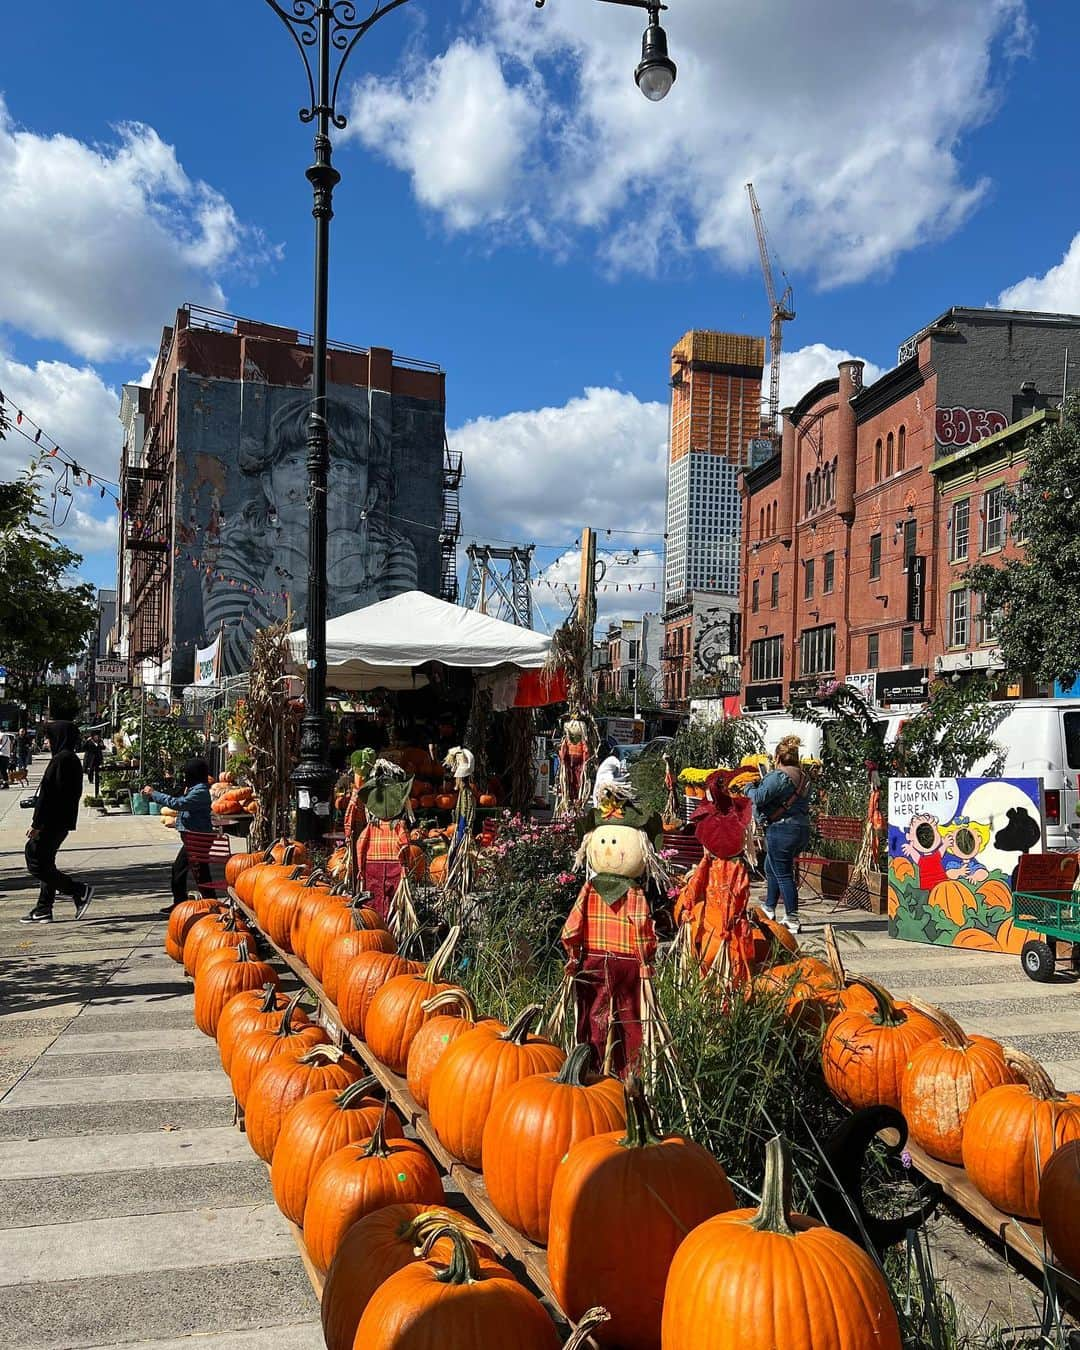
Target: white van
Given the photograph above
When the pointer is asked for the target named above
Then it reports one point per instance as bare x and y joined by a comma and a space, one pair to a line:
1041, 739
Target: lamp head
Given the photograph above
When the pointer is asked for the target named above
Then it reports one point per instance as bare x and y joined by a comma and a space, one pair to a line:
656, 73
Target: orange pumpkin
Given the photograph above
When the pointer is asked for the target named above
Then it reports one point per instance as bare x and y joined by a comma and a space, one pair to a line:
1059, 1206
975, 939
449, 1015
318, 1125
475, 1070
364, 976
773, 942
218, 929
240, 862
1011, 939
329, 922
466, 1302
373, 1249
289, 851
864, 1054
291, 1037
217, 982
279, 906
360, 1178
943, 1080
396, 1012
901, 869
488, 799
427, 801
893, 902
651, 1188
341, 950
761, 1278
283, 1081
533, 1125
437, 869
181, 919
996, 893
953, 898
445, 801
253, 1010
1011, 1133
320, 896
415, 863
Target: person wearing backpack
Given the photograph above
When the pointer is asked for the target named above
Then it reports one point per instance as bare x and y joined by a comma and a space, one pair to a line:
782, 808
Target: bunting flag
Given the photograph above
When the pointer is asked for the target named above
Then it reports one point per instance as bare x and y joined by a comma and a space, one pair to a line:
213, 574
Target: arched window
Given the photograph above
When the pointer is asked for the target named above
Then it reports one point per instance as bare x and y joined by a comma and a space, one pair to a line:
889, 455
901, 448
877, 460
809, 495
761, 523
774, 515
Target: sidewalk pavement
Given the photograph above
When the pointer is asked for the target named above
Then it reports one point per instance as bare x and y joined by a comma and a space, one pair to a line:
131, 1212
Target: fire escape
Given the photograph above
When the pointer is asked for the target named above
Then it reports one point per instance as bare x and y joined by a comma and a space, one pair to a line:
450, 532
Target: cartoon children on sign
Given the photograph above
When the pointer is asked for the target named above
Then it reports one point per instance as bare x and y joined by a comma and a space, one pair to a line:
954, 844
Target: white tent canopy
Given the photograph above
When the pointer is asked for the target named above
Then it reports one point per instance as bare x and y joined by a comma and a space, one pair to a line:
381, 646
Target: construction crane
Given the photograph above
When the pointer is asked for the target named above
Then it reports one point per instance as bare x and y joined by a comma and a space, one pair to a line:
780, 312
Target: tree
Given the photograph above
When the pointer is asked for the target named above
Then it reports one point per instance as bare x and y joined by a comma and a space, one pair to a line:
622, 701
45, 616
1038, 597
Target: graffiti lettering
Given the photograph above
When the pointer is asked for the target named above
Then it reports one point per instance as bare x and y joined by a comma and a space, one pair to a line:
967, 426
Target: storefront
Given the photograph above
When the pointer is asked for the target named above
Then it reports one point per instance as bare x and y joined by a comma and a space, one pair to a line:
764, 697
901, 688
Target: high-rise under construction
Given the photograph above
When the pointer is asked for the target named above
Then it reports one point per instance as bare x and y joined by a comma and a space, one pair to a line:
715, 414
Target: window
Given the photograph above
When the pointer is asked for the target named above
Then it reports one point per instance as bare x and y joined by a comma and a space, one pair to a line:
774, 595
889, 447
767, 659
961, 527
907, 646
911, 538
988, 619
994, 518
808, 580
817, 489
756, 597
901, 448
774, 508
632, 654
809, 504
816, 647
958, 618
1072, 739
875, 556
761, 523
828, 572
872, 645
833, 494
877, 459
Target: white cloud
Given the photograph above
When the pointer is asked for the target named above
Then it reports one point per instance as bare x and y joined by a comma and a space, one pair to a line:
77, 411
1057, 290
847, 118
539, 476
456, 126
630, 586
100, 244
806, 366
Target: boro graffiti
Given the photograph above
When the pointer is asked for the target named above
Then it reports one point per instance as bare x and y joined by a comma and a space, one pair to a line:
958, 427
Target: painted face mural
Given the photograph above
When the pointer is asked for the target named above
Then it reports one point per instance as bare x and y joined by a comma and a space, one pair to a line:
263, 543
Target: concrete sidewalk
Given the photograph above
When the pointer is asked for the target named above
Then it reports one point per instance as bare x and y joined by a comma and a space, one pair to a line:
131, 1212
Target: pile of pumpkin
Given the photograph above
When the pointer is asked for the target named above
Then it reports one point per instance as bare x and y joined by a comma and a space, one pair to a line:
639, 1222
967, 1099
230, 799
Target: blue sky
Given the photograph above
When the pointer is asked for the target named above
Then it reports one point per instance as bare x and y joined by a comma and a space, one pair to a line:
512, 208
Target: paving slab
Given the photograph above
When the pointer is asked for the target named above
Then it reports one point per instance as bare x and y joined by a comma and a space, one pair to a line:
130, 1087
300, 1336
21, 1159
58, 1122
160, 1063
76, 1040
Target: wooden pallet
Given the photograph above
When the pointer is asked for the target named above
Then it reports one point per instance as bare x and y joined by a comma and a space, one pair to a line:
533, 1259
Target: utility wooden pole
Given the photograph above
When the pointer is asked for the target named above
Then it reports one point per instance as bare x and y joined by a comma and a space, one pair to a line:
587, 585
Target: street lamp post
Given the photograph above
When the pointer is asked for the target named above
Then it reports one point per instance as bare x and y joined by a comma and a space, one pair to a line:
328, 31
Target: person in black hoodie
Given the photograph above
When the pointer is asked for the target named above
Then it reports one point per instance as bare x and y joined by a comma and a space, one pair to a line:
56, 811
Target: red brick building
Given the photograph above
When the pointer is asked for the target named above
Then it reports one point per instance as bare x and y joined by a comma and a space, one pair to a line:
851, 540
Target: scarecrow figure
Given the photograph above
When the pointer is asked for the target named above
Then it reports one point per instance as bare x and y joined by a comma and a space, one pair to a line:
609, 937
461, 763
384, 840
572, 788
711, 909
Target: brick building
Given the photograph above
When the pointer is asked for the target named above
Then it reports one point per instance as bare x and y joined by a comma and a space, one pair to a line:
214, 539
855, 535
701, 644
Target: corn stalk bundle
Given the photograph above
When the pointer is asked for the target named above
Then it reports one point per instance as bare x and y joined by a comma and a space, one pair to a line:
857, 891
659, 1057
272, 733
403, 919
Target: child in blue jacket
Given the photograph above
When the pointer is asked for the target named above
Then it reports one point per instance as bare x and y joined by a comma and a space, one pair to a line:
193, 813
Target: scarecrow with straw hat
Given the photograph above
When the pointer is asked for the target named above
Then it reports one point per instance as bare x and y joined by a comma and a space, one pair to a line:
609, 937
384, 840
711, 908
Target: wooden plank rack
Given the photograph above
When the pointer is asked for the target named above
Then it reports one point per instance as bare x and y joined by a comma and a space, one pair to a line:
531, 1258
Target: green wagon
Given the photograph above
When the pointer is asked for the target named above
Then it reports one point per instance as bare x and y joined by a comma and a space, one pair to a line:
1047, 904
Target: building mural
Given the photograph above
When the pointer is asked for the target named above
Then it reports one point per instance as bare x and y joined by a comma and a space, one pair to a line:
241, 505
